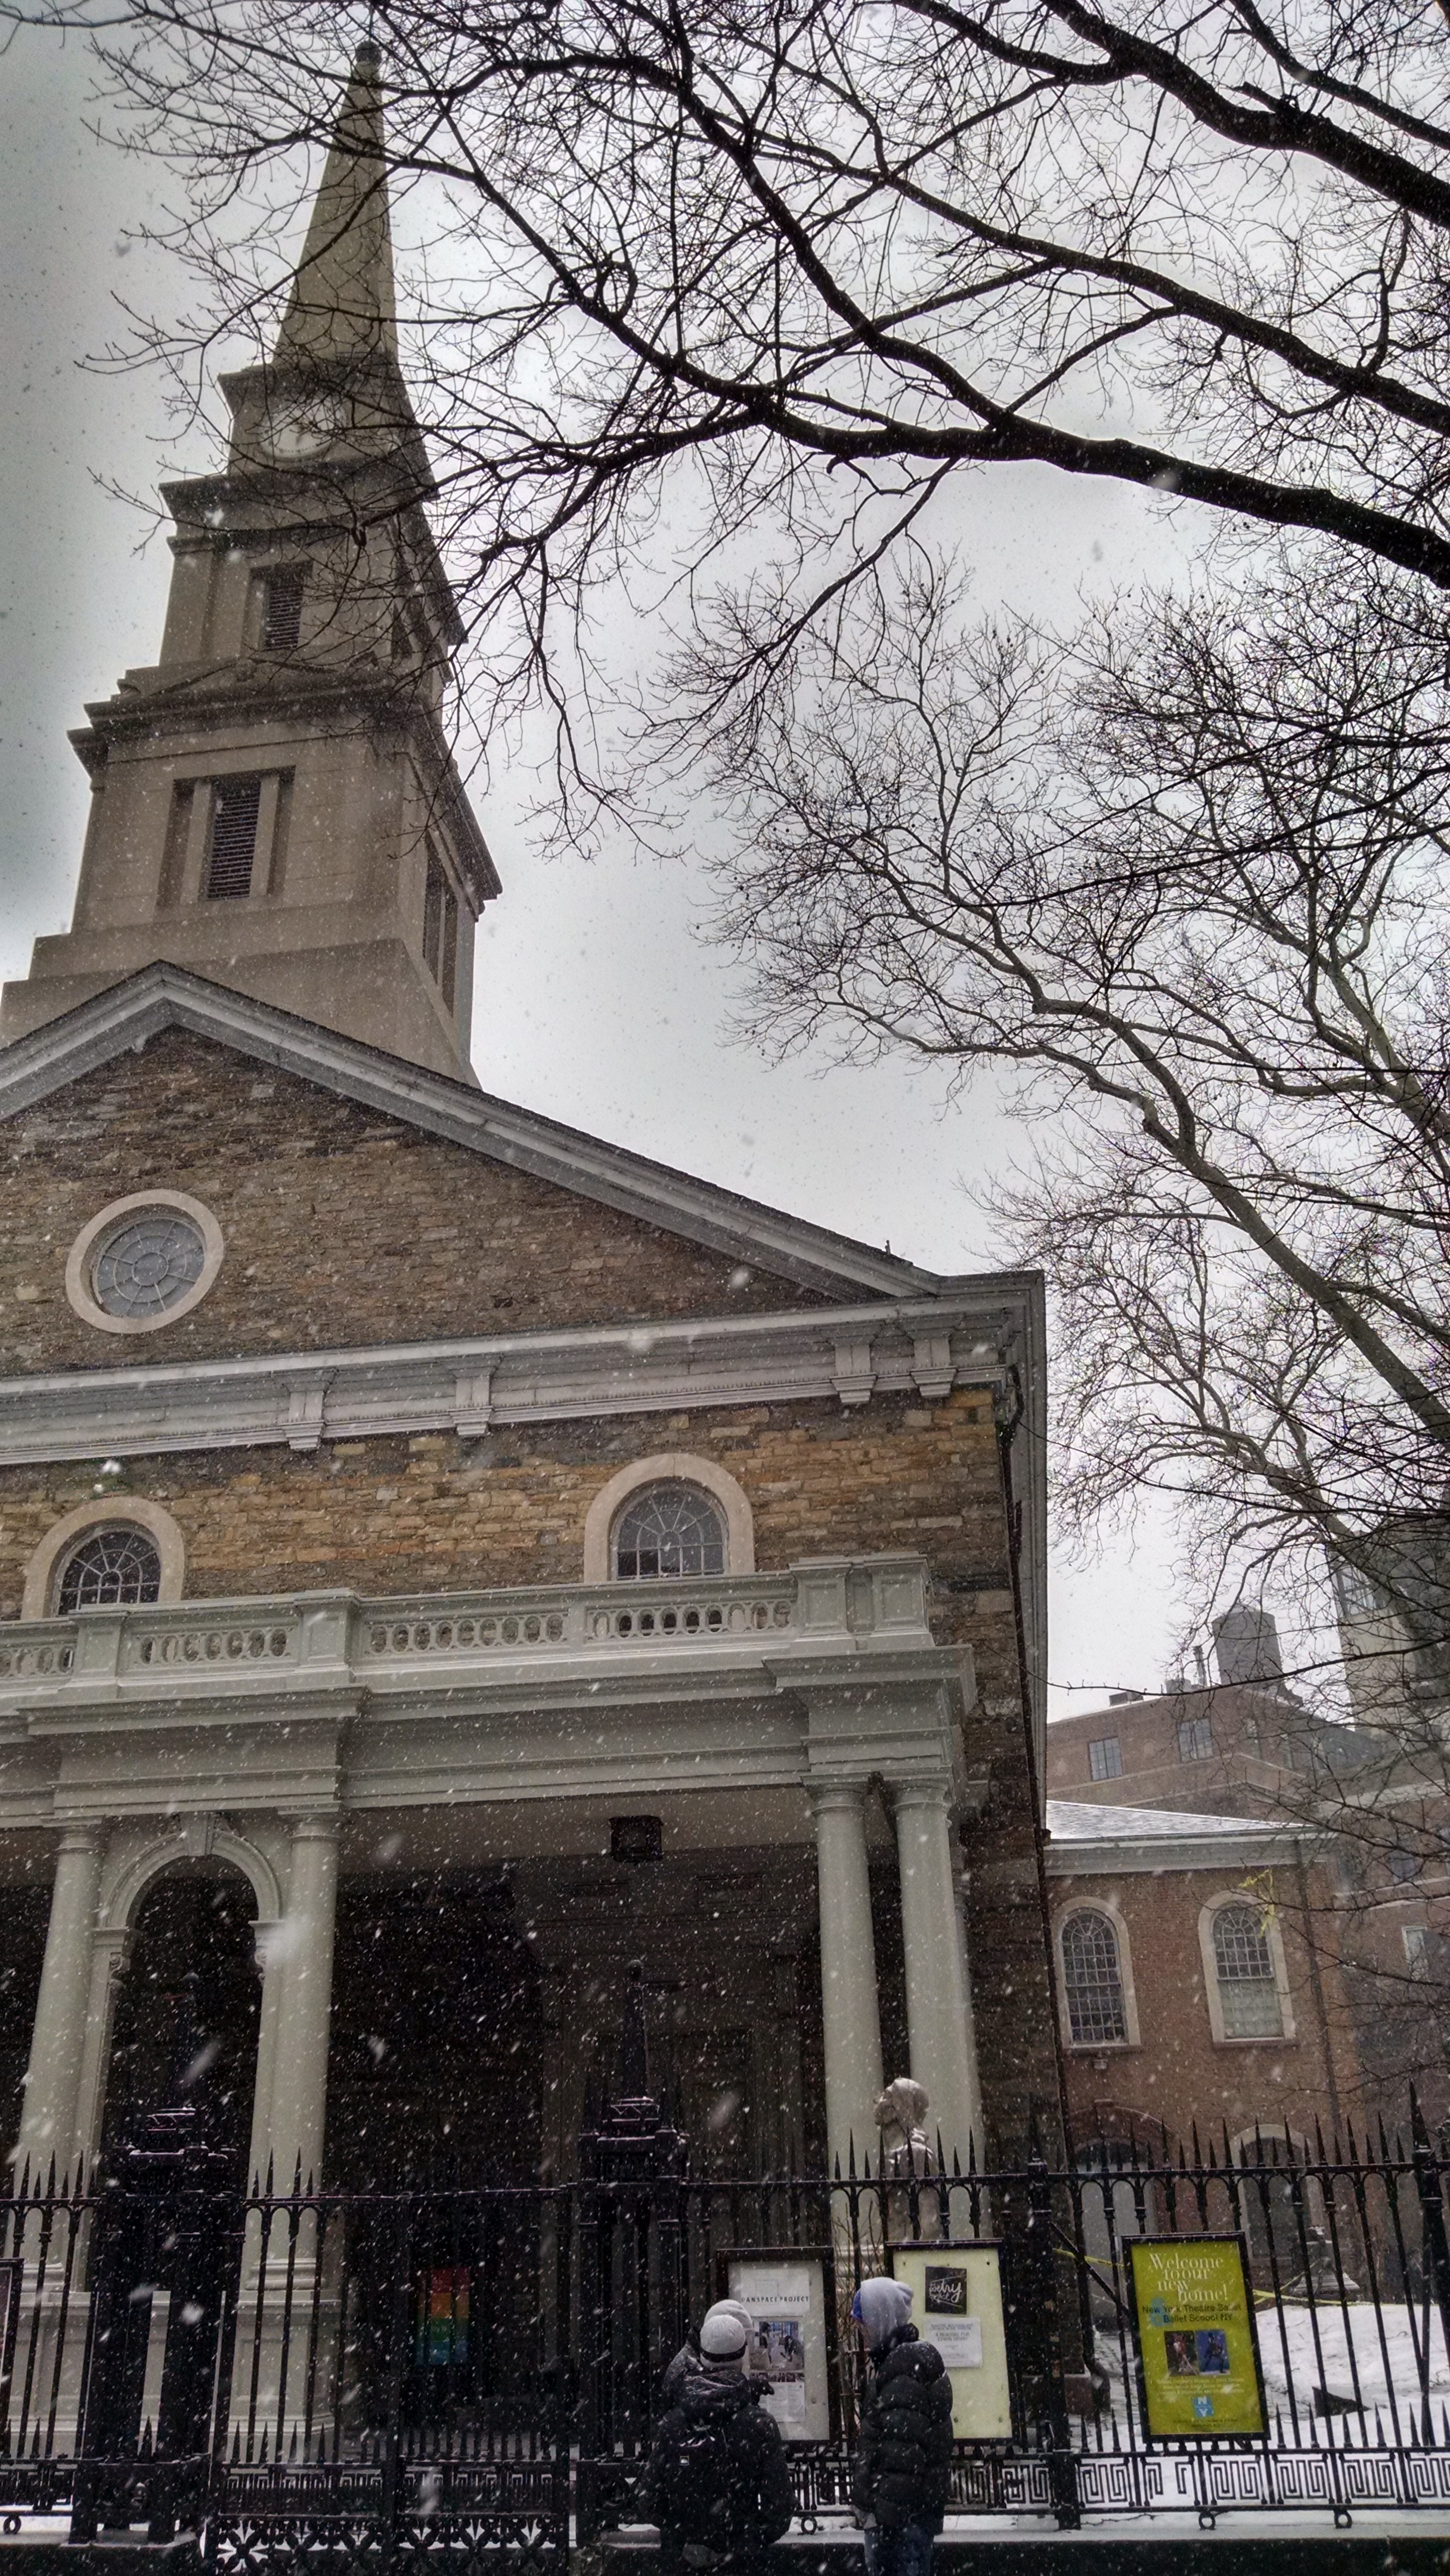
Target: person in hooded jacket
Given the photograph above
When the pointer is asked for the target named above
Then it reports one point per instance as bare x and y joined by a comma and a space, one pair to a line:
718, 2484
686, 2363
902, 2468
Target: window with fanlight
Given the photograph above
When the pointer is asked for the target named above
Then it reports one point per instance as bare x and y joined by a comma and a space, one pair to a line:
672, 1529
110, 1568
1248, 1985
1092, 1981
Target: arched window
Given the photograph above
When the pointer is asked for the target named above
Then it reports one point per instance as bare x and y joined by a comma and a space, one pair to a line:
1092, 1981
111, 1565
1248, 1989
668, 1529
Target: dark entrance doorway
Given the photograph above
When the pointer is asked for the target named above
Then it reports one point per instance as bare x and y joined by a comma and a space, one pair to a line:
435, 2033
187, 2013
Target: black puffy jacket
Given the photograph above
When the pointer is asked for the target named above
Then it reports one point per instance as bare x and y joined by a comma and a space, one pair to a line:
904, 2457
718, 2472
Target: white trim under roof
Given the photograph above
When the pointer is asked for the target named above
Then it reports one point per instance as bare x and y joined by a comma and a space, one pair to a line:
1089, 1841
469, 1386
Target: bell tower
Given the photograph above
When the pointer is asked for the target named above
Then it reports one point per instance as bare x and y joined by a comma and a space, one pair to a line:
274, 803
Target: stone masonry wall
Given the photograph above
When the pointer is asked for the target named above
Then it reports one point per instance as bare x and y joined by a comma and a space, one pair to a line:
342, 1226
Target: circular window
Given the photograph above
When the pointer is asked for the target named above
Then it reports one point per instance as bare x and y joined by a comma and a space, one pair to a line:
143, 1262
149, 1266
113, 1565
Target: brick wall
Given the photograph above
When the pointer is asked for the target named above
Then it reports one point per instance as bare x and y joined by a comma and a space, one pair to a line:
1179, 2074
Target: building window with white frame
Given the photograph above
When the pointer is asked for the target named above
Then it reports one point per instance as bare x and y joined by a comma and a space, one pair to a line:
669, 1529
1105, 1756
1248, 1987
1092, 1981
1195, 1739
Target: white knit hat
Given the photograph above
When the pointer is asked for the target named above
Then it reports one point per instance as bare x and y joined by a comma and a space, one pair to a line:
725, 2331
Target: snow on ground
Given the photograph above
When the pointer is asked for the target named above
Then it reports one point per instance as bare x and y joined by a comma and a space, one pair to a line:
1293, 2351
1291, 2355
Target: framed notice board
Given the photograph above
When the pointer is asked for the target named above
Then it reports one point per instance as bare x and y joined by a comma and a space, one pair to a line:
956, 2303
784, 2288
1199, 2378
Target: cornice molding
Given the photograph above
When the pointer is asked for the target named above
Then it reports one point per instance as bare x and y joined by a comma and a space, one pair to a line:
1139, 1855
468, 1386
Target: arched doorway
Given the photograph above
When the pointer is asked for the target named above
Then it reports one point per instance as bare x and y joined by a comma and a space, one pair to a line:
188, 2009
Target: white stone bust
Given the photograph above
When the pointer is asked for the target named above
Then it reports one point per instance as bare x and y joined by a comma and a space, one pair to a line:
900, 2116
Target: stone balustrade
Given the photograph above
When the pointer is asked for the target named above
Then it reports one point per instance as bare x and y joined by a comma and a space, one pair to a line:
837, 1605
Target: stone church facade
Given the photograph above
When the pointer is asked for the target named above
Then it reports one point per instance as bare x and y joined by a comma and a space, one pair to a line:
445, 1558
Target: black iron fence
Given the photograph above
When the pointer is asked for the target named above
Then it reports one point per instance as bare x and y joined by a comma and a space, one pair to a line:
341, 2373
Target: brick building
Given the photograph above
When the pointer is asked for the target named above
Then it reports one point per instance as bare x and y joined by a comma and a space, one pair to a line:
1232, 1748
1194, 1987
1363, 1826
445, 1558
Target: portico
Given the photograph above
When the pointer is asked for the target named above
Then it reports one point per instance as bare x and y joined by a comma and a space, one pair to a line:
288, 1739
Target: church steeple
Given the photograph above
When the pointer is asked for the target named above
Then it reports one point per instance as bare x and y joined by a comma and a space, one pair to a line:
275, 804
341, 311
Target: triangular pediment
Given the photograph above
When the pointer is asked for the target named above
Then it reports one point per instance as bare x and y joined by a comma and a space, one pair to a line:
161, 997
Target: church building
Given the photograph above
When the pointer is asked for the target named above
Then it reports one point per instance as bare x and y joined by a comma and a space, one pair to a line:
445, 1558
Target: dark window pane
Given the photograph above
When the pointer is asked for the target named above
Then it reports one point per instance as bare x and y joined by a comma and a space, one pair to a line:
1248, 1990
233, 837
669, 1530
148, 1265
116, 1565
282, 609
1092, 1981
433, 915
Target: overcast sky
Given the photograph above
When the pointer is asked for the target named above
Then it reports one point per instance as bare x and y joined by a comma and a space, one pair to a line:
597, 1001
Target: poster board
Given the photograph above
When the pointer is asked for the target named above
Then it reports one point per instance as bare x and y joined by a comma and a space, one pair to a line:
1198, 2355
786, 2295
956, 2303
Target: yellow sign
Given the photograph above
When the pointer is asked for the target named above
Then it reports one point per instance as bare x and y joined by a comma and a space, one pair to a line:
1196, 2348
956, 2303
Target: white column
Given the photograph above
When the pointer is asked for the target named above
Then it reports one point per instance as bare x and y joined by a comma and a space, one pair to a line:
938, 1993
849, 2011
110, 1952
303, 1945
57, 2040
270, 1947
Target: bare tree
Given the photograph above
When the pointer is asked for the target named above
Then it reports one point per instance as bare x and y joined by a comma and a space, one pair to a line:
1185, 873
788, 268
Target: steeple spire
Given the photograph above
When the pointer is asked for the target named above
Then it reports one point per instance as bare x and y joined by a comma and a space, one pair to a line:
341, 309
277, 805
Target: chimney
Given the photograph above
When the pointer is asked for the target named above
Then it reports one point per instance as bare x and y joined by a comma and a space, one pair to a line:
1247, 1644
